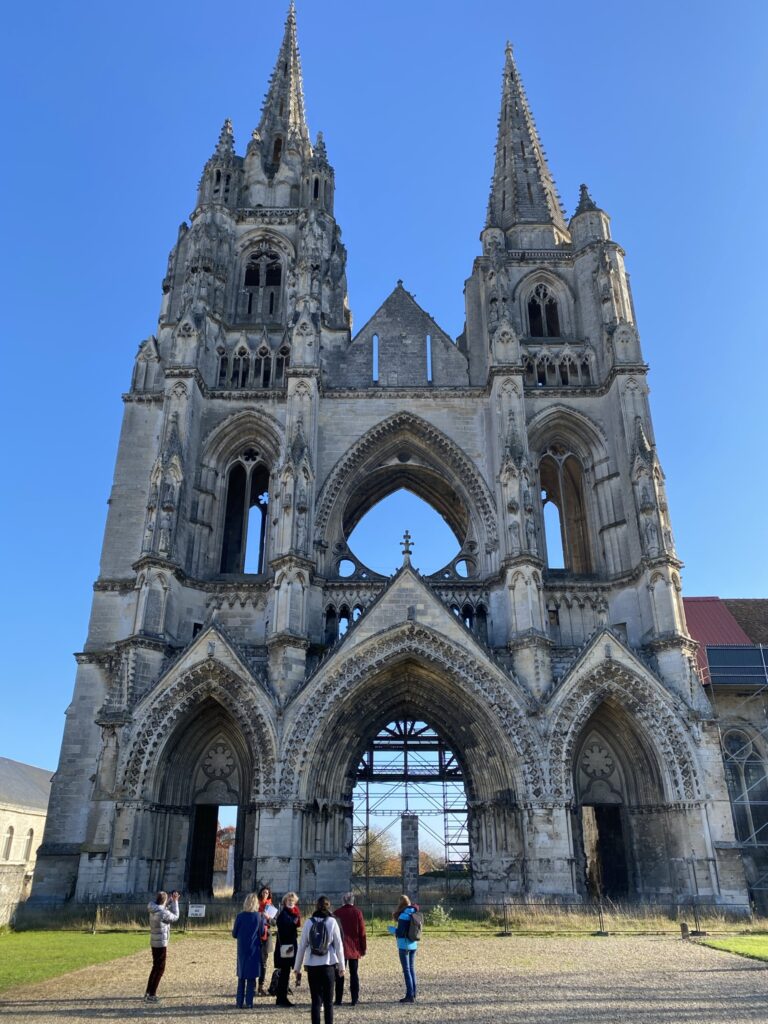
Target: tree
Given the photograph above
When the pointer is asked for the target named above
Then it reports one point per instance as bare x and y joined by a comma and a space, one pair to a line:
431, 858
382, 854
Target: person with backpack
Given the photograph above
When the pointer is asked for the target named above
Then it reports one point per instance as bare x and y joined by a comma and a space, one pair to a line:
163, 911
407, 931
352, 925
287, 922
248, 929
320, 944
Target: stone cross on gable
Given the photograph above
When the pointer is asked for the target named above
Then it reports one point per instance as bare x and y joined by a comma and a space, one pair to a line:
407, 545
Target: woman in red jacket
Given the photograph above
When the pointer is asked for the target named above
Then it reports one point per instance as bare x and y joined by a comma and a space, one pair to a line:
352, 924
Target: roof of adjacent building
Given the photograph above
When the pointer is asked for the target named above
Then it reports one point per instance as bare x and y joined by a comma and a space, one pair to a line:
751, 615
23, 785
710, 622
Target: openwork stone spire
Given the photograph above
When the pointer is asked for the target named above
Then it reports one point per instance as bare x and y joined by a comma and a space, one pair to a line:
523, 190
225, 147
283, 110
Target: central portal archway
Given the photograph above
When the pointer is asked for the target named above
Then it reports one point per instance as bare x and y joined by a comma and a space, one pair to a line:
410, 674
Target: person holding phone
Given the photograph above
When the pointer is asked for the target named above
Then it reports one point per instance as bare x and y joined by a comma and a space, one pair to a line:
163, 911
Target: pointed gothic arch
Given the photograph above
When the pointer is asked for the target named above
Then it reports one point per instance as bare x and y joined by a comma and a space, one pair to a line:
407, 451
479, 712
647, 704
159, 713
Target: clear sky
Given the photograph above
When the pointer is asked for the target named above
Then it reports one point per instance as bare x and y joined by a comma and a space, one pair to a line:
659, 106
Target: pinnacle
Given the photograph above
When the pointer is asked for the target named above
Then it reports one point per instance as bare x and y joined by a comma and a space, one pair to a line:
283, 109
586, 202
226, 144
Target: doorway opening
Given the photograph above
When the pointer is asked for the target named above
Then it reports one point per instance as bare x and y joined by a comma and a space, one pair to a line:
605, 851
212, 851
408, 768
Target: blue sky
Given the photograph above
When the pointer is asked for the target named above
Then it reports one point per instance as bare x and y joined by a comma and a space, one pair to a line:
659, 107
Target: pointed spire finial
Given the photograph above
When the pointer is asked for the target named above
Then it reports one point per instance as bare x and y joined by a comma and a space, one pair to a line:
226, 144
523, 190
407, 545
283, 110
586, 202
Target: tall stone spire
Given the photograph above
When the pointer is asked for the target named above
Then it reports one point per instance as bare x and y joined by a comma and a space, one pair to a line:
283, 112
523, 191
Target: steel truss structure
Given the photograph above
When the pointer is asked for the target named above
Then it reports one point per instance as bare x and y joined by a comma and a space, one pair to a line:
408, 768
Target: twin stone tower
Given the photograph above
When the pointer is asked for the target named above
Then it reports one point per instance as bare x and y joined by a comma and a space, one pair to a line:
239, 652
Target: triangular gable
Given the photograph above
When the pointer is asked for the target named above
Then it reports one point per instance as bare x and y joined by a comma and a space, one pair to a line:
400, 308
603, 645
210, 644
407, 598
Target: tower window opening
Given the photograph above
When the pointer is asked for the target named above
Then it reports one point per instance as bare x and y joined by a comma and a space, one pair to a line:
375, 356
281, 364
316, 189
277, 150
530, 192
543, 315
429, 358
263, 281
522, 148
271, 303
245, 519
223, 365
564, 510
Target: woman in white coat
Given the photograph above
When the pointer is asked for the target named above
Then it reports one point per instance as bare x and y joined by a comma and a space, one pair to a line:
320, 946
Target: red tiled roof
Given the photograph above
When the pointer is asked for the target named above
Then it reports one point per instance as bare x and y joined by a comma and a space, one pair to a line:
710, 622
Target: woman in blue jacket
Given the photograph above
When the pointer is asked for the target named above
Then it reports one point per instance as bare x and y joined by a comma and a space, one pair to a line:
406, 947
248, 929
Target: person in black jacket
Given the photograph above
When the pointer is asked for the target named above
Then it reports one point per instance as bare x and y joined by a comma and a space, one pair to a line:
288, 922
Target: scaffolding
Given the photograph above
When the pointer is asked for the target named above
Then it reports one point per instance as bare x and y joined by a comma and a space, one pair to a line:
744, 669
408, 768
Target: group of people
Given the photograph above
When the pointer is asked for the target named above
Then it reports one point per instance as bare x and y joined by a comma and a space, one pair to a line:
328, 944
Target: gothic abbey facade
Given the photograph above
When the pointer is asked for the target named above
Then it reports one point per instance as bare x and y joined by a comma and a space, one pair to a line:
239, 653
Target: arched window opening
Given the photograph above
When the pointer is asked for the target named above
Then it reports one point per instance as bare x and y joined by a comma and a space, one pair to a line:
245, 520
331, 625
357, 611
563, 500
262, 284
468, 616
240, 368
223, 370
429, 358
376, 538
281, 365
8, 847
344, 620
277, 151
375, 356
745, 771
316, 189
543, 314
481, 623
28, 844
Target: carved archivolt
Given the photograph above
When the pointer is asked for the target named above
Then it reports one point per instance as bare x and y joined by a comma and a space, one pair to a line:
644, 703
249, 427
158, 720
458, 466
496, 701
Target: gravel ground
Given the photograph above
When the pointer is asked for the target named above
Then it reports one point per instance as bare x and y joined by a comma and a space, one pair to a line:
473, 980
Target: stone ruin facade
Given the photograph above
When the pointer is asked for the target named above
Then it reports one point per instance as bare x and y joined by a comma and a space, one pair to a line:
239, 652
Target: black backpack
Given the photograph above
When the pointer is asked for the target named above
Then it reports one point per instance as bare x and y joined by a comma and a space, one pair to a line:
415, 926
318, 936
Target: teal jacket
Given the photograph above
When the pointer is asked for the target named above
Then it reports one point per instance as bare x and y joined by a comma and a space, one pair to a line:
404, 943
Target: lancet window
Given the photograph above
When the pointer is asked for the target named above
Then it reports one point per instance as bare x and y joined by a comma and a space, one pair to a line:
543, 313
262, 286
565, 517
244, 539
745, 770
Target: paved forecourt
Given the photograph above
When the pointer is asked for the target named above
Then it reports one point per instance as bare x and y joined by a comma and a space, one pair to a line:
462, 978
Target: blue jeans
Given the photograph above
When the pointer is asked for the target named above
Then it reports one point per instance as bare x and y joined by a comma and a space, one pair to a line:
245, 987
409, 970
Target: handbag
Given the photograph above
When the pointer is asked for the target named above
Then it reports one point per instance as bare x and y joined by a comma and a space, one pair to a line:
287, 950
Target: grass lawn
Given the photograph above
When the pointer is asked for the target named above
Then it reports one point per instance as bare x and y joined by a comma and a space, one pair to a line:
754, 946
33, 956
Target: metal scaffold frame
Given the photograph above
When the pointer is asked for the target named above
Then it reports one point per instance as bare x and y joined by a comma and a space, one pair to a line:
398, 774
